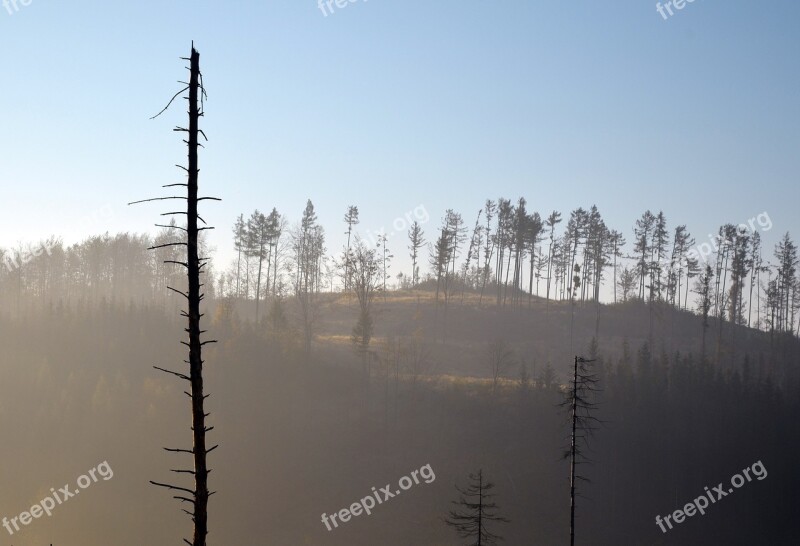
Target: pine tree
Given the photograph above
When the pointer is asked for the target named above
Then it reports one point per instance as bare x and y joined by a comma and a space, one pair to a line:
417, 239
755, 268
533, 231
386, 258
642, 248
703, 288
505, 212
260, 228
274, 227
351, 219
658, 249
308, 247
239, 235
474, 246
627, 283
488, 250
617, 242
786, 256
740, 267
552, 221
575, 233
477, 512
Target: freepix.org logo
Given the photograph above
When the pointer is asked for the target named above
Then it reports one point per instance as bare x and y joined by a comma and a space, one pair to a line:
666, 9
326, 6
367, 504
48, 504
13, 6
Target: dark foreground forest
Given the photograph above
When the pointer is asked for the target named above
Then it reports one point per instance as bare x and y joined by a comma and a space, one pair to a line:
303, 434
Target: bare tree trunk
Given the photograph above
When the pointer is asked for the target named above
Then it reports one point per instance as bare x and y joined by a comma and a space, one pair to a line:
198, 498
572, 455
200, 516
580, 404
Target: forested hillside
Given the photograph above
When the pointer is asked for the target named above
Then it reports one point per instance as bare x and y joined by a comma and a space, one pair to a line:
302, 435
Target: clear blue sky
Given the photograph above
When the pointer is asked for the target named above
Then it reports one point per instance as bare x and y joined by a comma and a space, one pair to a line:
392, 104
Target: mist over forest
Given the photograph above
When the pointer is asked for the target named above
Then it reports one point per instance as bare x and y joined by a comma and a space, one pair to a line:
326, 384
578, 324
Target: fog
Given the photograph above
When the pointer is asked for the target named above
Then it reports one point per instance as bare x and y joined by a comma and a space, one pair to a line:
305, 434
405, 273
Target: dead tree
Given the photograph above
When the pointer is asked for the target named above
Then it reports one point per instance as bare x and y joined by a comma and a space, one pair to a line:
194, 264
579, 402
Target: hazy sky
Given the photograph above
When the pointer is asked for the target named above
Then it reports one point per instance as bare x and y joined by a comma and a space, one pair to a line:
392, 105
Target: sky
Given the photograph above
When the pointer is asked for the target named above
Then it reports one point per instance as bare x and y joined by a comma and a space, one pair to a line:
403, 108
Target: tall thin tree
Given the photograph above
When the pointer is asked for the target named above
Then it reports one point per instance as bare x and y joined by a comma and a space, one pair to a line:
351, 219
581, 405
417, 239
703, 289
194, 264
552, 220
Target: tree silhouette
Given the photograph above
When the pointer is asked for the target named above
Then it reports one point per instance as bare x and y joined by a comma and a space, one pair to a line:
417, 239
351, 219
477, 510
239, 235
308, 248
579, 401
703, 289
500, 358
363, 266
489, 208
194, 264
552, 221
385, 258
